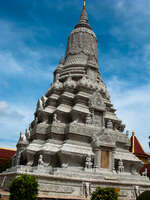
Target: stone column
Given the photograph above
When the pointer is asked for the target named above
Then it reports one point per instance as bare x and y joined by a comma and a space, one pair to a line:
113, 160
97, 160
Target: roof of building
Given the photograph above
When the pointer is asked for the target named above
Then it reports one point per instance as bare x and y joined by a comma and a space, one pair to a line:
136, 147
6, 154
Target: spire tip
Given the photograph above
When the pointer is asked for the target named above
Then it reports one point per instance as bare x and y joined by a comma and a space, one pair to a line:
84, 4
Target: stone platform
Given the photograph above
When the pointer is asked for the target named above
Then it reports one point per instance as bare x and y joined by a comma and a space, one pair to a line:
77, 185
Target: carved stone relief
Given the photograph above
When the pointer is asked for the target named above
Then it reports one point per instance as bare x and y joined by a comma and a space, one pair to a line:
96, 101
56, 188
103, 138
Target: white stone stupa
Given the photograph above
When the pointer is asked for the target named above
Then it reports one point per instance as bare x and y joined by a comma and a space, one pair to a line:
76, 142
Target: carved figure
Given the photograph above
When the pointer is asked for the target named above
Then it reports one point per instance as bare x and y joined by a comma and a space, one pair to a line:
88, 119
40, 161
120, 166
55, 120
86, 189
88, 162
109, 124
96, 100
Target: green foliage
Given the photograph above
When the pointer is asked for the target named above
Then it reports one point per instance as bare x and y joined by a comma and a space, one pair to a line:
104, 194
24, 187
144, 196
5, 165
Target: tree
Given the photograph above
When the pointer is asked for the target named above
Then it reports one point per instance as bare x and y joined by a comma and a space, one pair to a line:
24, 187
144, 196
104, 194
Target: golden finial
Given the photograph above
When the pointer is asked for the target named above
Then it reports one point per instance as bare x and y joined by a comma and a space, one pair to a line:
133, 135
84, 4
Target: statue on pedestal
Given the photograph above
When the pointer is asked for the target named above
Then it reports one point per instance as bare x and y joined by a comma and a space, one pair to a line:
86, 189
40, 161
88, 162
137, 190
109, 124
120, 166
55, 120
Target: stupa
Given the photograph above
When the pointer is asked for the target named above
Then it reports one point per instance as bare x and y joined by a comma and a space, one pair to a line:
76, 142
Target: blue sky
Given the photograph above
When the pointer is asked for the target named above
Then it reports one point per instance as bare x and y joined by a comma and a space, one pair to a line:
33, 37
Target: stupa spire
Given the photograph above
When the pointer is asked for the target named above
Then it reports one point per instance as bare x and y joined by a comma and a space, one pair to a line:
83, 22
84, 4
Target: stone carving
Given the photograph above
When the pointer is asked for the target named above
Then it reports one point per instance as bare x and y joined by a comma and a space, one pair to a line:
27, 134
91, 60
88, 120
96, 101
57, 85
129, 194
85, 82
40, 161
120, 166
70, 83
137, 190
64, 165
88, 162
82, 43
56, 188
145, 172
109, 124
86, 189
39, 105
55, 120
103, 138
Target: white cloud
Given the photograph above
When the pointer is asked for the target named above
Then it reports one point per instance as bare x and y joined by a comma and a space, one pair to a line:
13, 119
3, 106
23, 60
8, 64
